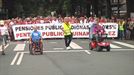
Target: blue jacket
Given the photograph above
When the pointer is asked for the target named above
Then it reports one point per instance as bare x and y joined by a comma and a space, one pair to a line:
36, 36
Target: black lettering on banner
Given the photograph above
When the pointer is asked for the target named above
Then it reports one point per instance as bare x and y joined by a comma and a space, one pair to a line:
16, 28
42, 28
109, 26
38, 27
31, 27
23, 28
80, 27
114, 26
56, 27
46, 27
52, 27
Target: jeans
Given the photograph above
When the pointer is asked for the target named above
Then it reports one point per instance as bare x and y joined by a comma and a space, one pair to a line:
127, 34
121, 34
68, 39
4, 39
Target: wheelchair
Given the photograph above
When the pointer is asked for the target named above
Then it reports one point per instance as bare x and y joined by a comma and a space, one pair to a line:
99, 43
36, 47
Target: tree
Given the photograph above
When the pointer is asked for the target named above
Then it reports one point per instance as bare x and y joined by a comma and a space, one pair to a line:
67, 7
108, 9
63, 7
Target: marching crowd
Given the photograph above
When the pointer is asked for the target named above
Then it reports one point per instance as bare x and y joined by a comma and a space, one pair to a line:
125, 28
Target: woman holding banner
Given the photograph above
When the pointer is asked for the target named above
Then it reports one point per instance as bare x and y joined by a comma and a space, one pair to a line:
66, 28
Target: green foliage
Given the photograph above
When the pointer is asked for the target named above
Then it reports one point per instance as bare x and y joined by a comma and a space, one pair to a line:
63, 7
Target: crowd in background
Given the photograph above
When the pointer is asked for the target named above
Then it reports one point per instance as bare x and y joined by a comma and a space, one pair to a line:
40, 20
126, 26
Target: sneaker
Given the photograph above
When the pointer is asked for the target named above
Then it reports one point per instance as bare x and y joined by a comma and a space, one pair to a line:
67, 48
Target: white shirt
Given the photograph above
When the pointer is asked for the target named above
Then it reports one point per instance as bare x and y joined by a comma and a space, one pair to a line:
4, 30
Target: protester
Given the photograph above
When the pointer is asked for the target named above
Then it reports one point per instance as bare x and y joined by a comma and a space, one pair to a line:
35, 37
4, 32
121, 29
96, 30
67, 32
4, 35
127, 31
132, 30
92, 29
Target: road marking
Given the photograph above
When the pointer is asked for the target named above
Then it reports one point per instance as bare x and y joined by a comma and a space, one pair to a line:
15, 58
53, 42
58, 48
4, 47
122, 49
63, 51
87, 52
124, 44
114, 46
20, 58
19, 47
75, 46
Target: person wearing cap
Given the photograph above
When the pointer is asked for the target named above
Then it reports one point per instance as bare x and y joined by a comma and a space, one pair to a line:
66, 28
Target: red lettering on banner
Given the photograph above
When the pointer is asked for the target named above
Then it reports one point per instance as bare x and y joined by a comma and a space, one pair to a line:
22, 35
80, 33
44, 33
17, 35
60, 33
111, 33
52, 33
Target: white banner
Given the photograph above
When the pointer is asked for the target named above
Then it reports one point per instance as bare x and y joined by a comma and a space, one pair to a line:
49, 30
111, 29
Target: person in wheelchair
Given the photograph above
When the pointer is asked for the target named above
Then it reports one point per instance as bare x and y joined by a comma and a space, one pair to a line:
35, 39
96, 32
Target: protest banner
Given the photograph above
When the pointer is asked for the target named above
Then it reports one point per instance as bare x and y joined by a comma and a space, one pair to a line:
49, 30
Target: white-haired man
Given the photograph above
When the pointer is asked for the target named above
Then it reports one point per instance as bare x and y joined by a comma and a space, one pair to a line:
35, 37
66, 28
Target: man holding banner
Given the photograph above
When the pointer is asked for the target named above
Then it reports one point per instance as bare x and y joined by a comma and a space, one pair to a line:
66, 28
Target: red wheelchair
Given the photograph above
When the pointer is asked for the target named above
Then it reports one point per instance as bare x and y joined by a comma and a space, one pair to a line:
36, 47
100, 44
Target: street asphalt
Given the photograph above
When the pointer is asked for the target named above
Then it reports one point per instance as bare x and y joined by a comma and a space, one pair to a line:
56, 60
